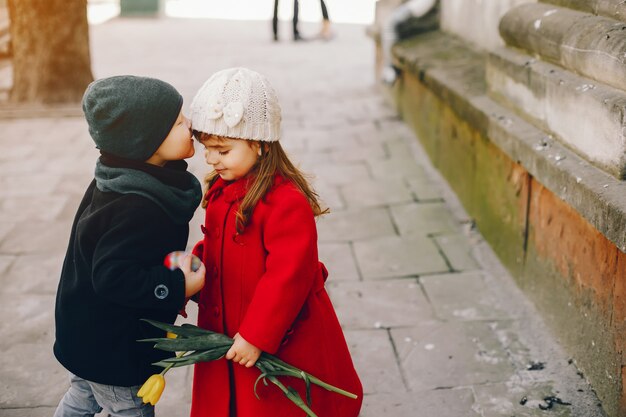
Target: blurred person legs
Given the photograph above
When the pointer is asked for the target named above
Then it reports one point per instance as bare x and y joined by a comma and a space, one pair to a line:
275, 20
296, 32
326, 32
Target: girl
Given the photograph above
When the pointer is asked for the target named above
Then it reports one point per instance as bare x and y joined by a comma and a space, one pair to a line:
265, 285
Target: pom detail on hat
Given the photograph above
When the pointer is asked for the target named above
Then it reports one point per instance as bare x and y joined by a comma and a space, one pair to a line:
237, 103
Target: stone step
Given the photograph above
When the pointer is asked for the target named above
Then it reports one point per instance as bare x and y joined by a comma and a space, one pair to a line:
615, 9
593, 46
455, 75
585, 115
476, 21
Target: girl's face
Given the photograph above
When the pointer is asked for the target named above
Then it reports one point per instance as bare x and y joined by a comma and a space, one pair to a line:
177, 145
232, 159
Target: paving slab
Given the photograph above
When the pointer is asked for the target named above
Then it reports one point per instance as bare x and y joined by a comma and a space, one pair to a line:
504, 400
440, 403
36, 237
31, 377
5, 228
32, 320
395, 167
340, 174
353, 225
371, 152
375, 361
5, 262
424, 189
463, 296
339, 260
396, 256
330, 195
448, 355
424, 219
376, 193
457, 249
36, 411
307, 161
329, 140
32, 207
33, 274
379, 304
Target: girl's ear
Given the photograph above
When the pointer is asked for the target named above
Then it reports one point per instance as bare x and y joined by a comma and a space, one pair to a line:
256, 145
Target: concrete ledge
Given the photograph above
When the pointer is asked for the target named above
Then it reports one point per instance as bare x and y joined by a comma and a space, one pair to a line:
589, 45
615, 9
456, 75
585, 115
476, 21
557, 222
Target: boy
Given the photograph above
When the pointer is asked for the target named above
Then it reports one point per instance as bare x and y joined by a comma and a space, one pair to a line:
134, 212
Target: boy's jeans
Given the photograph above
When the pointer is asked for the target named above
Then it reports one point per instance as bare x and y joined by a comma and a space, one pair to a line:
85, 398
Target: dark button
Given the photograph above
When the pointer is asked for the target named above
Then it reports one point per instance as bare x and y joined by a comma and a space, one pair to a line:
161, 291
216, 311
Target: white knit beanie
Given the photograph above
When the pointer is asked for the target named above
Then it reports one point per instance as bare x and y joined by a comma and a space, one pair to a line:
237, 103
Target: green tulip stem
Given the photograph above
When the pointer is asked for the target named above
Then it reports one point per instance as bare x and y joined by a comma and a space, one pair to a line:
168, 367
296, 372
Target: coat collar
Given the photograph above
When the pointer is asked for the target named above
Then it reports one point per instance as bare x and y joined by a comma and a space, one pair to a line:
235, 190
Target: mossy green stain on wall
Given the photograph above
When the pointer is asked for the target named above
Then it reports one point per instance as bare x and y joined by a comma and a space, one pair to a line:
492, 188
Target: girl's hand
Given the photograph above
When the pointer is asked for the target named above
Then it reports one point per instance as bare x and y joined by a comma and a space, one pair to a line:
242, 352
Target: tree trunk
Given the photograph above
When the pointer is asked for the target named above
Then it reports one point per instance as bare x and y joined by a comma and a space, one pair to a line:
50, 41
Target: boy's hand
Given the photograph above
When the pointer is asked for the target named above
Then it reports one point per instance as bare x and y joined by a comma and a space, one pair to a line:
242, 352
194, 281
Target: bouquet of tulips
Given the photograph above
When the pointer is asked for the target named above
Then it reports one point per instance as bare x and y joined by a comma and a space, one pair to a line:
195, 344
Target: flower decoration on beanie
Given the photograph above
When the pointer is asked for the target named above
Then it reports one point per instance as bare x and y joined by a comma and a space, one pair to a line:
130, 116
237, 103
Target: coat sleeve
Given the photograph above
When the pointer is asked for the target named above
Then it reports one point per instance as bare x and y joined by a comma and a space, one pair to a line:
128, 263
291, 265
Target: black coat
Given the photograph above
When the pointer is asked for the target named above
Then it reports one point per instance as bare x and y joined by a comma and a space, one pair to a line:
113, 275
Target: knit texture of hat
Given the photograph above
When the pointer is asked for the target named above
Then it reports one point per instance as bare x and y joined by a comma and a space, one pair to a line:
130, 116
237, 103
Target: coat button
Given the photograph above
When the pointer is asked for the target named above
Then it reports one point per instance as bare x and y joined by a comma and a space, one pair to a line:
216, 311
161, 291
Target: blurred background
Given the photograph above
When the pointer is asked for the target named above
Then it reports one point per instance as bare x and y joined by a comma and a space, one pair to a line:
346, 11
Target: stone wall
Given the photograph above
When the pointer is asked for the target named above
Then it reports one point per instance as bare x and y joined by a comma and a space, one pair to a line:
476, 20
529, 130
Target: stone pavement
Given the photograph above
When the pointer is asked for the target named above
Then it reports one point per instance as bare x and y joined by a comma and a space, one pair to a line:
435, 324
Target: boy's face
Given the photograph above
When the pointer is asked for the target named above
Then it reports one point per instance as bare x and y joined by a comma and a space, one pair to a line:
232, 159
177, 145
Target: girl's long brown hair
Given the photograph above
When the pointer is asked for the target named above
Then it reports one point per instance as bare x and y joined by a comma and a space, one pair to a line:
273, 160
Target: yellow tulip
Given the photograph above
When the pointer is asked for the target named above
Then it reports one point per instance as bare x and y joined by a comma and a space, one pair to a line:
151, 390
171, 335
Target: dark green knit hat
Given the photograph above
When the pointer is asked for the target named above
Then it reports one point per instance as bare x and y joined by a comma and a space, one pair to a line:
130, 116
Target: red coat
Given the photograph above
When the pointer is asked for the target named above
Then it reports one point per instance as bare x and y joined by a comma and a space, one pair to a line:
268, 285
